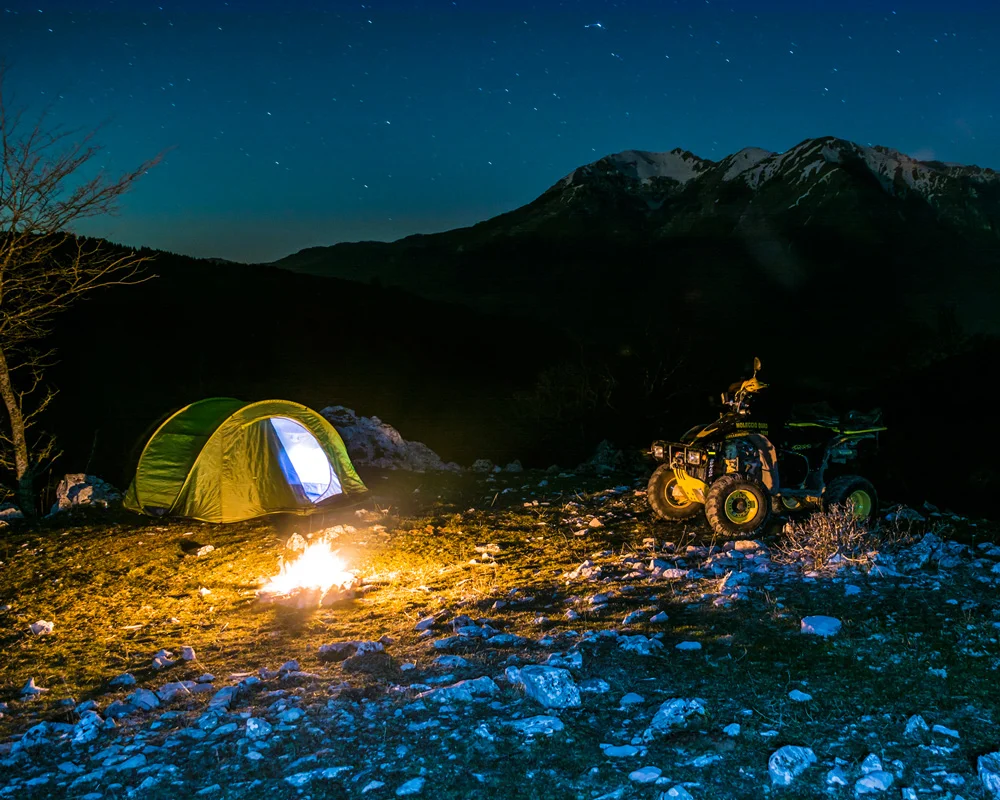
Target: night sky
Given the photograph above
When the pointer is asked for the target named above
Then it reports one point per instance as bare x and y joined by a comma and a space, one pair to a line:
294, 124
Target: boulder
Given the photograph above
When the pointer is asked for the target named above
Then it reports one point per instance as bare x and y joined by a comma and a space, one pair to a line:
78, 489
373, 443
9, 512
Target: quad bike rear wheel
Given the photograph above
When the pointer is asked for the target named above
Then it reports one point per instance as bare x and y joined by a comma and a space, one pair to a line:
737, 506
666, 497
856, 493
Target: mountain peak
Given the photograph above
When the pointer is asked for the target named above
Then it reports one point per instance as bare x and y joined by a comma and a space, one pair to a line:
643, 166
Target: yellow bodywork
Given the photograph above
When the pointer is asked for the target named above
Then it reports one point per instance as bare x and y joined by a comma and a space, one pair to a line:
693, 488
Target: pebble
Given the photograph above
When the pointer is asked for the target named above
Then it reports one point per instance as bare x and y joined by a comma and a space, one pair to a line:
688, 646
799, 697
732, 729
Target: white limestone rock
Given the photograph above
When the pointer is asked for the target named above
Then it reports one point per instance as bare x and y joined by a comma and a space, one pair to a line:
820, 626
551, 687
788, 762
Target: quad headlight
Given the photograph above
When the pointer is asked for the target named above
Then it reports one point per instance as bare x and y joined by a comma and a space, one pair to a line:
658, 451
694, 456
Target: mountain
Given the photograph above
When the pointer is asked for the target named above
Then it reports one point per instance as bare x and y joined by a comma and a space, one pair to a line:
826, 222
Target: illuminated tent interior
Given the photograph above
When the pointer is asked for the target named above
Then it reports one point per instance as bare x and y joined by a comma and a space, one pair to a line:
225, 460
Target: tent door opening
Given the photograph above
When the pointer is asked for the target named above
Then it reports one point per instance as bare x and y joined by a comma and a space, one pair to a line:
305, 463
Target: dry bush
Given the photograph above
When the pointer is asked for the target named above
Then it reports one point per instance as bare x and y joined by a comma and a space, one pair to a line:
830, 538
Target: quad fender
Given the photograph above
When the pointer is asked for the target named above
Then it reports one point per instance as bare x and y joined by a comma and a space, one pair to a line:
694, 488
768, 459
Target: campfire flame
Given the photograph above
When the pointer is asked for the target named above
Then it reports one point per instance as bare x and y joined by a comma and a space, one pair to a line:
316, 571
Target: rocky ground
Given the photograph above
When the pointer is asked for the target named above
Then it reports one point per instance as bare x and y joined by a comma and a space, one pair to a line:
516, 635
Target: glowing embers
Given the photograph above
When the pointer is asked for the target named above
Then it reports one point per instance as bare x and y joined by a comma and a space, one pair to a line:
316, 576
306, 464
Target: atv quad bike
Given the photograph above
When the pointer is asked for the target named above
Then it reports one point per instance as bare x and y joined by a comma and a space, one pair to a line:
733, 471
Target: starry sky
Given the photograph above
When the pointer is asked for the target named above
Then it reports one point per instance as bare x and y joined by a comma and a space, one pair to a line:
302, 123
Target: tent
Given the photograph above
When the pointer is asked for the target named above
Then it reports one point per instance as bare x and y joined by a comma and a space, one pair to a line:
225, 460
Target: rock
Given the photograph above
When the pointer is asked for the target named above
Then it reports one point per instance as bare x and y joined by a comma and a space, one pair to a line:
788, 762
125, 679
482, 465
31, 689
450, 662
872, 763
534, 726
850, 590
572, 660
258, 728
677, 793
414, 786
607, 458
373, 443
204, 550
187, 653
78, 489
514, 466
732, 729
169, 691
672, 713
688, 646
873, 783
639, 645
41, 628
462, 692
88, 727
821, 626
551, 687
143, 700
659, 618
988, 767
341, 651
799, 697
371, 786
950, 732
631, 699
9, 512
645, 774
837, 777
916, 727
620, 751
633, 617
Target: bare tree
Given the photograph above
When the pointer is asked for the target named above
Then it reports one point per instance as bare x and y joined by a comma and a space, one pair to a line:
49, 181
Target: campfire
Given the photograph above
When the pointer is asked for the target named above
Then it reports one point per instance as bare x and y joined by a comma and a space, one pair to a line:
316, 577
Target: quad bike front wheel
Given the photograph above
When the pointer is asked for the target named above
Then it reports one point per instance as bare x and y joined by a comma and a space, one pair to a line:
666, 497
737, 506
855, 493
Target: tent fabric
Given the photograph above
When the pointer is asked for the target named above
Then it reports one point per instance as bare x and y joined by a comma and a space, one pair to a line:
222, 460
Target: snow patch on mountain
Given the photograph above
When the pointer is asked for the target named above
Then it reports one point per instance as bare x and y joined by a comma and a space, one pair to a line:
745, 159
643, 166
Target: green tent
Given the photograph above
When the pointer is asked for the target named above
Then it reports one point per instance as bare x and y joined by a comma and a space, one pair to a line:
224, 460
